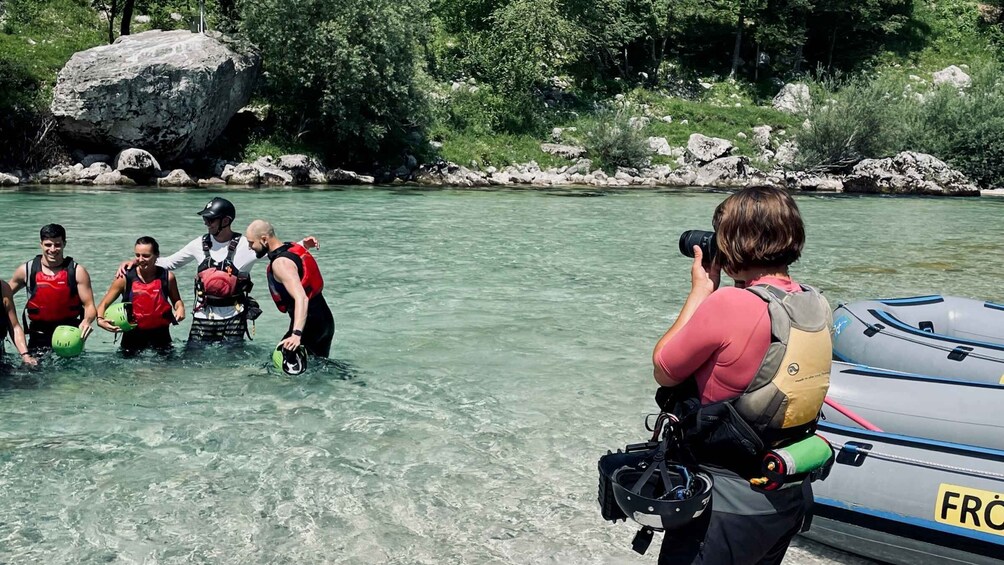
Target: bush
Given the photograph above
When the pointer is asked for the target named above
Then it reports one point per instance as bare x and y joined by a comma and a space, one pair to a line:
614, 142
340, 74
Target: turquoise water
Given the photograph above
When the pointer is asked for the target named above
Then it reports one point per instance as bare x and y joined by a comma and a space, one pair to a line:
490, 346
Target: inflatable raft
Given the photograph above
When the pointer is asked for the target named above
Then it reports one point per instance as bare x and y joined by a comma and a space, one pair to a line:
909, 500
926, 485
956, 338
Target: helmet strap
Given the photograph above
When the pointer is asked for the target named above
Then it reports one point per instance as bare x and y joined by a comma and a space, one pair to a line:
642, 540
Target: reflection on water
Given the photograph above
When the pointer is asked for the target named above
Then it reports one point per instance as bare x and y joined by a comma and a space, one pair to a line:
490, 345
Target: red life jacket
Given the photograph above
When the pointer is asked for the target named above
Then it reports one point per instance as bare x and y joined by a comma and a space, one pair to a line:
52, 298
306, 266
220, 283
150, 301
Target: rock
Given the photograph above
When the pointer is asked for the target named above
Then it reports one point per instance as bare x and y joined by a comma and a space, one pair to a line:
556, 133
141, 19
741, 135
136, 164
820, 184
566, 151
761, 136
302, 168
176, 178
786, 154
725, 172
211, 181
241, 173
437, 145
274, 176
638, 122
449, 174
794, 98
703, 149
92, 172
8, 180
952, 76
659, 146
113, 178
667, 119
169, 92
175, 16
340, 176
909, 173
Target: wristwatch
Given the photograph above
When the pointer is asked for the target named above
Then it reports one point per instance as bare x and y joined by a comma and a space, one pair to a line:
298, 332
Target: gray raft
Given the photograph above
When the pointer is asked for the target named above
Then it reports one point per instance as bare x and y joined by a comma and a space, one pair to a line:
956, 338
914, 493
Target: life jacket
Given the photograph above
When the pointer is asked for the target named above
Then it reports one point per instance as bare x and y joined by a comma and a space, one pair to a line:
306, 266
150, 301
52, 298
782, 403
220, 283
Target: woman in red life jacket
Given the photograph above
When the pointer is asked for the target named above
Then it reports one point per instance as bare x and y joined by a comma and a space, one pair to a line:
152, 298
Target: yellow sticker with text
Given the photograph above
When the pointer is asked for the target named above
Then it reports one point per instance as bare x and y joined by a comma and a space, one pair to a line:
980, 510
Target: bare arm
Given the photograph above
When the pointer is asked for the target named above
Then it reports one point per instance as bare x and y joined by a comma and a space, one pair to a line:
114, 291
87, 299
18, 332
703, 282
177, 305
18, 279
285, 273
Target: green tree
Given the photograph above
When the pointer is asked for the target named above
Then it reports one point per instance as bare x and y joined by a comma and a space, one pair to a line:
340, 74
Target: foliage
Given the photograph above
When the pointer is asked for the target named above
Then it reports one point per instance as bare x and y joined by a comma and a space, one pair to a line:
614, 141
340, 73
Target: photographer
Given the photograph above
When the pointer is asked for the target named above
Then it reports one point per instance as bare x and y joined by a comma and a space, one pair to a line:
755, 361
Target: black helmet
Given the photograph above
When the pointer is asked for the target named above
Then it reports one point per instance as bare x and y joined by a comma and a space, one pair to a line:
219, 208
660, 494
290, 362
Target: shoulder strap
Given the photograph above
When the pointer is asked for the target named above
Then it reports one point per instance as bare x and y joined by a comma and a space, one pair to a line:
71, 274
165, 282
207, 245
232, 247
31, 268
130, 277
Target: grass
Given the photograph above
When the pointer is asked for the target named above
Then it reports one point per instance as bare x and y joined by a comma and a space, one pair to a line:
495, 150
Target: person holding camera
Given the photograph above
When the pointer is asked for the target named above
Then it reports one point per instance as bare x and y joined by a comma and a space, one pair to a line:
746, 370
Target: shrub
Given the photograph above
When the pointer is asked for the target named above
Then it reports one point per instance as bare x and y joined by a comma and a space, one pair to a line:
614, 142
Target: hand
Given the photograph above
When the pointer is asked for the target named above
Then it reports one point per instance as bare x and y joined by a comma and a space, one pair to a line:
85, 329
290, 343
29, 360
123, 267
108, 326
179, 314
704, 280
311, 242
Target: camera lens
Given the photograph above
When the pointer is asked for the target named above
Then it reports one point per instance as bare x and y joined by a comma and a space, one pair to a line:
703, 239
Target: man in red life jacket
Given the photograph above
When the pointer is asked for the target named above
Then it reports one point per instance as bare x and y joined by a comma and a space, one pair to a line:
295, 283
59, 291
222, 305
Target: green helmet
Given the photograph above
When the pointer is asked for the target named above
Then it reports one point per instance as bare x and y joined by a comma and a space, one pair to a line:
290, 362
67, 341
117, 315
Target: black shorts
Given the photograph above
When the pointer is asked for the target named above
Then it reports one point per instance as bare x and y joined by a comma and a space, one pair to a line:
747, 528
228, 330
40, 334
136, 340
319, 330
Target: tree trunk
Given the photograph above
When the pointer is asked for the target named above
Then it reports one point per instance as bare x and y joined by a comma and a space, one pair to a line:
739, 44
665, 39
112, 8
799, 50
127, 7
833, 43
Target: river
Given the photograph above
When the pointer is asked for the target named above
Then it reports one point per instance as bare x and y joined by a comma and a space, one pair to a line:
490, 346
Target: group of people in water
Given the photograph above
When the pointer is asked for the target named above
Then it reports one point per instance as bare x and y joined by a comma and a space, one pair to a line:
59, 291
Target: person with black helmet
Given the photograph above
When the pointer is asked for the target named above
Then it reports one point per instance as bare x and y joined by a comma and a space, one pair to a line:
744, 371
223, 304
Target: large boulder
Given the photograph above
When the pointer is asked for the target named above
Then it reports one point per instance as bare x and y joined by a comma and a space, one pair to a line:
725, 172
8, 180
703, 149
909, 173
793, 98
952, 76
136, 164
171, 92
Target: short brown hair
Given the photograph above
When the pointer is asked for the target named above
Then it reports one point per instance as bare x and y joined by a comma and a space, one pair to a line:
759, 226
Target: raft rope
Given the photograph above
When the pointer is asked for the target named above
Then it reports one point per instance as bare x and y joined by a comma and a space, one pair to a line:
921, 342
920, 462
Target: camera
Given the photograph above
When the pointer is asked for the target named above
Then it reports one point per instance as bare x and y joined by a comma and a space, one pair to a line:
703, 239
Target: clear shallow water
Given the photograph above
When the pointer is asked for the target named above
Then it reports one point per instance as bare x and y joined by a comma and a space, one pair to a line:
490, 346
